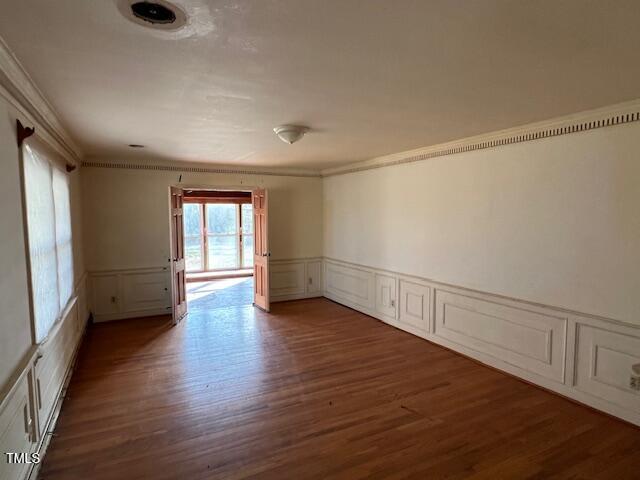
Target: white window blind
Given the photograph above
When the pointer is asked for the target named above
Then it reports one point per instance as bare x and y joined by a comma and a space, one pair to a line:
50, 250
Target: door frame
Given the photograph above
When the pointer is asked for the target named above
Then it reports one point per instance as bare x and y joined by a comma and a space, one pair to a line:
207, 187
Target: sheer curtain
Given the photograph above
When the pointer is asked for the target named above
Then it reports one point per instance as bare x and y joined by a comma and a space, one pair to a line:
49, 227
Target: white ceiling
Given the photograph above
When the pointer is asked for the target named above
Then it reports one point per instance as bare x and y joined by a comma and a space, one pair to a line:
370, 77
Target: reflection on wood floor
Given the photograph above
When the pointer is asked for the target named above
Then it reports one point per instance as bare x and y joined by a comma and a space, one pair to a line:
222, 293
313, 390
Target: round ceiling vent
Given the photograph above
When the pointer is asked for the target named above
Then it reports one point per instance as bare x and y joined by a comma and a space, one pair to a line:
157, 14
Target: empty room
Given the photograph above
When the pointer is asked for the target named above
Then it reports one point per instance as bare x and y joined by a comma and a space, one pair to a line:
319, 239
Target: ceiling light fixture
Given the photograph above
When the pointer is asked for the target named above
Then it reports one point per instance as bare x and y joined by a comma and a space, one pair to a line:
157, 14
153, 12
290, 133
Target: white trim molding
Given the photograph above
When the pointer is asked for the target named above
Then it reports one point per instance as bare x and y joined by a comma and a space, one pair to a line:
203, 168
580, 356
19, 89
618, 114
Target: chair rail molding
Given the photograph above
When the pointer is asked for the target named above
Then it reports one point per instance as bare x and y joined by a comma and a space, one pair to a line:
19, 89
580, 356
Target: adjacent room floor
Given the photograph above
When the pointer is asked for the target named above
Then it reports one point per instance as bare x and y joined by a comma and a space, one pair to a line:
221, 293
313, 390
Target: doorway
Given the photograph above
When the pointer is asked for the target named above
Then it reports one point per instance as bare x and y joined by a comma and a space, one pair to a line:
219, 249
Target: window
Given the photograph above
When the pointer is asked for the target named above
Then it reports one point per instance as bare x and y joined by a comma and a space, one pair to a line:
218, 236
222, 236
192, 237
50, 246
247, 234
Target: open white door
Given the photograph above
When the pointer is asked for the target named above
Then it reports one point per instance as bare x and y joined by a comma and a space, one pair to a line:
260, 249
178, 279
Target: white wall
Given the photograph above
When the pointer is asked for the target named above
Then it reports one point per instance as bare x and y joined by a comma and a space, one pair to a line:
553, 221
127, 221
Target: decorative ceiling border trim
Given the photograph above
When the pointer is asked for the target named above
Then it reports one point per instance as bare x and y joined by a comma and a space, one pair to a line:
192, 169
605, 117
24, 95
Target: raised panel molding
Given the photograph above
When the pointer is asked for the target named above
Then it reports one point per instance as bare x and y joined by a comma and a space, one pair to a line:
386, 300
353, 285
287, 279
314, 277
16, 428
530, 340
145, 291
295, 279
120, 294
604, 358
580, 356
105, 294
414, 307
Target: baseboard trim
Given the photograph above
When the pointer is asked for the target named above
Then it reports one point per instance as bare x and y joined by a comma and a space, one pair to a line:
110, 317
301, 296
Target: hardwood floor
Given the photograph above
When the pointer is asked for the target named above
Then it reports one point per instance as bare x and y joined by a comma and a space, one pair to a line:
314, 390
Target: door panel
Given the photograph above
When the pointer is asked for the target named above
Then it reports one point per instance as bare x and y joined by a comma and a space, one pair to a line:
261, 249
178, 279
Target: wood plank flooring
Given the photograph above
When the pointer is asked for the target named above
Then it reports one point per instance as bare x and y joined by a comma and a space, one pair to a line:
314, 390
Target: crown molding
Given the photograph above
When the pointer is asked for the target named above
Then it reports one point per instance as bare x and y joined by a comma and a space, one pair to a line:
19, 89
97, 162
618, 114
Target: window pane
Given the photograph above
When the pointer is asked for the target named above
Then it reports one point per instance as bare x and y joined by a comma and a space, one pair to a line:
223, 252
193, 253
63, 236
192, 220
221, 218
42, 241
247, 251
247, 218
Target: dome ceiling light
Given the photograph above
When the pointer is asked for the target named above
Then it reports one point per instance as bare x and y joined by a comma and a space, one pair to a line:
290, 133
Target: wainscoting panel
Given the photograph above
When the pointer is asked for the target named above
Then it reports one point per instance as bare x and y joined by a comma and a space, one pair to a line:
526, 339
604, 358
145, 291
580, 356
287, 279
17, 427
106, 293
295, 279
414, 307
386, 297
352, 286
51, 364
314, 277
118, 294
32, 403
